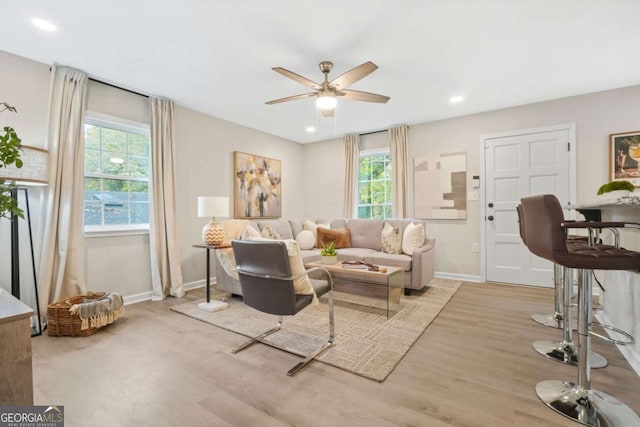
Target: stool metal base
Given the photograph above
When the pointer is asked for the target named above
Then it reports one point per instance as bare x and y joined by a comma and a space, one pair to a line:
567, 353
551, 320
589, 407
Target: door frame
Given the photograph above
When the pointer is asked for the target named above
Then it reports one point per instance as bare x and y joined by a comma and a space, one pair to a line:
571, 128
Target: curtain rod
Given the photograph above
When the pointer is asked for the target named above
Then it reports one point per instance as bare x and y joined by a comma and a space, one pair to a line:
375, 131
118, 87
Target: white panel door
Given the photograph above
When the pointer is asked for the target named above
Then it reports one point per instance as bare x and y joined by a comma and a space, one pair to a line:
517, 166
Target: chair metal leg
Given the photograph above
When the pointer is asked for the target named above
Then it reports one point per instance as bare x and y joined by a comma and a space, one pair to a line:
580, 402
259, 338
328, 344
554, 320
566, 351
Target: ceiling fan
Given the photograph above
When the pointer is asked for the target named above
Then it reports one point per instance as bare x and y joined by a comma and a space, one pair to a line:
328, 91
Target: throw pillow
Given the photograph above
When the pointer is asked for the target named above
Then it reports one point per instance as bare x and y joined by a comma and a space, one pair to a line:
302, 285
312, 226
305, 240
412, 238
249, 232
269, 233
391, 239
342, 237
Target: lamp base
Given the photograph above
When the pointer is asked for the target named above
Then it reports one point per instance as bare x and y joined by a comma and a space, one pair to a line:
213, 233
213, 306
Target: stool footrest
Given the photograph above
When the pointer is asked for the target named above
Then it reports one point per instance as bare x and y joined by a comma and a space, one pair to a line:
629, 338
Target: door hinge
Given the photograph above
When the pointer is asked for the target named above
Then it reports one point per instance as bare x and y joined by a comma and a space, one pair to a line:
568, 146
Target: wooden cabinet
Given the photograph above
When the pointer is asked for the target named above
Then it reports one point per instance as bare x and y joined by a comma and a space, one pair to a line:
16, 387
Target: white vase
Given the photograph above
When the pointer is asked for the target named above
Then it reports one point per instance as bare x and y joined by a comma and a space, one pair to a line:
330, 259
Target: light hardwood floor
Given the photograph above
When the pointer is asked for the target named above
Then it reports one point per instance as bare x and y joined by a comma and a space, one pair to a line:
473, 366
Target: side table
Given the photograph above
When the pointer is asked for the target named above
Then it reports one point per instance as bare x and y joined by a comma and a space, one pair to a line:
211, 305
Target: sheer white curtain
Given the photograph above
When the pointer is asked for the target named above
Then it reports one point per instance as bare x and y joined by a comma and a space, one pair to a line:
166, 274
62, 272
351, 145
399, 142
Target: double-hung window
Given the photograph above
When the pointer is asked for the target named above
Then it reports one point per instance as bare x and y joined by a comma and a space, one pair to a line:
116, 175
374, 185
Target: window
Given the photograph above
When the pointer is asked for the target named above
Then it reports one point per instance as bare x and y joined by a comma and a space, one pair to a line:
116, 175
374, 185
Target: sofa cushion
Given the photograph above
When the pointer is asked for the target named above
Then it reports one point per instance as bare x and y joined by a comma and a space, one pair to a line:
392, 260
296, 226
413, 238
270, 233
307, 224
354, 254
281, 226
391, 239
249, 233
335, 223
365, 233
341, 237
310, 255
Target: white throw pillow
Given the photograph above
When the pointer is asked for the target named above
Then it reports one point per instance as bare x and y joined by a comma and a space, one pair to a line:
249, 233
305, 240
391, 239
412, 238
301, 285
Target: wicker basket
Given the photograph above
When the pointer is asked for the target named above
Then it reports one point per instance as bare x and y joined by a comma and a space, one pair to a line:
64, 324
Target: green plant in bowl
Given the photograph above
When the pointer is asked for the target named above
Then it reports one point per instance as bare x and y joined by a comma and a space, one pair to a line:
329, 249
615, 186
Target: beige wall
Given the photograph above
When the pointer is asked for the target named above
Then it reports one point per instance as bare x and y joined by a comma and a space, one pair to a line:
595, 115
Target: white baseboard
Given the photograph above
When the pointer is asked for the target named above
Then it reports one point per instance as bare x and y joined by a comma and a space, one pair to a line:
628, 351
146, 296
456, 276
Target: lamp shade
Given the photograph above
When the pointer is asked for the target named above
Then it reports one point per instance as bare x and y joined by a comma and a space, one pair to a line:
213, 206
34, 170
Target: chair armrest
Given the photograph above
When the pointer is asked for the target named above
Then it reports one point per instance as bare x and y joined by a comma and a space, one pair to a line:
324, 272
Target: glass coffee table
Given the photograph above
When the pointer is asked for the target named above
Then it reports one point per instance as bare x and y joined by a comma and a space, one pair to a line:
390, 282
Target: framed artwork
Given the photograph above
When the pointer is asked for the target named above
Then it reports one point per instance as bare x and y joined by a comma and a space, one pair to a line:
440, 186
257, 186
624, 155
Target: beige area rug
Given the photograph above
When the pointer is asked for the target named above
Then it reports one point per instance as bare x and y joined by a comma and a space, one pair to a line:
366, 343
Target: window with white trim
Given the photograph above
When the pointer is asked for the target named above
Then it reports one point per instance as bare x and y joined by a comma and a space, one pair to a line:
374, 185
116, 175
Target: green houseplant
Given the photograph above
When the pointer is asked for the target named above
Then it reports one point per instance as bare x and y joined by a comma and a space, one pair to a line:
329, 253
9, 155
615, 186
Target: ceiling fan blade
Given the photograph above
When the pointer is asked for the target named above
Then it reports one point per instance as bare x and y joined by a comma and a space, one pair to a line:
291, 98
353, 75
356, 95
328, 113
297, 77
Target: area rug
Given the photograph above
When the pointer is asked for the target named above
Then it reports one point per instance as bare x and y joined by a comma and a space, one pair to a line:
366, 343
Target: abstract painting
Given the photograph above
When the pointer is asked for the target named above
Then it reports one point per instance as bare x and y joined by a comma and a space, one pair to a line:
624, 157
257, 186
440, 186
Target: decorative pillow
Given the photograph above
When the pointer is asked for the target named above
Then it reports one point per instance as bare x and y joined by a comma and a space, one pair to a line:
249, 232
305, 240
302, 285
391, 239
312, 226
269, 233
341, 236
412, 238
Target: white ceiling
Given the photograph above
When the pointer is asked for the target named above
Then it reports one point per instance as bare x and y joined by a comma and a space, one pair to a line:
216, 56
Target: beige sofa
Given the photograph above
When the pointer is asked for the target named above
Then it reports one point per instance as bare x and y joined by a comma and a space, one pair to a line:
365, 246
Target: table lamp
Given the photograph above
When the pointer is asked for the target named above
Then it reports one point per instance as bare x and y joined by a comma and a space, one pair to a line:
212, 207
34, 172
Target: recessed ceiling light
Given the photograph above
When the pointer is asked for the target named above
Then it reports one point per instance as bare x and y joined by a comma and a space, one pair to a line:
44, 25
456, 99
310, 129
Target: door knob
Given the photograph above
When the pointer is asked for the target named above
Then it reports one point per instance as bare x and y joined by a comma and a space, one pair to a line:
490, 217
490, 205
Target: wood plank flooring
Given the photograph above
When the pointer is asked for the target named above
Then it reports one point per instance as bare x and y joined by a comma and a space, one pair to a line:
473, 366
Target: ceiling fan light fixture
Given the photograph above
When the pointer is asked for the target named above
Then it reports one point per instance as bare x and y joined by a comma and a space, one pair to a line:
326, 102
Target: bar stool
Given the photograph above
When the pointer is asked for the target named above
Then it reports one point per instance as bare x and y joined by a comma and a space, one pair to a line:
546, 237
564, 351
